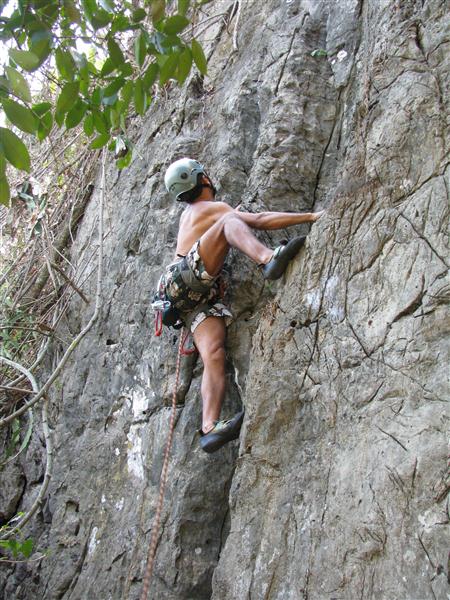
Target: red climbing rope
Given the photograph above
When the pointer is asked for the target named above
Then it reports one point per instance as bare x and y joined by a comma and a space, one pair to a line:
158, 323
186, 350
163, 481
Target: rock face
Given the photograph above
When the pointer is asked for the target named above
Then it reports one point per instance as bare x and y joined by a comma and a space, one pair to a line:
337, 488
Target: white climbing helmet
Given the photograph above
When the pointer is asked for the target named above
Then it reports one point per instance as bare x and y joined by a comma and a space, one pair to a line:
181, 176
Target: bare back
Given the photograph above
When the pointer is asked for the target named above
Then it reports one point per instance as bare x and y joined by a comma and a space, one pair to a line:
196, 219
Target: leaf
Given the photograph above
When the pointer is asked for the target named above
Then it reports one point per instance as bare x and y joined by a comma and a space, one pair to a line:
140, 49
150, 76
175, 24
121, 23
318, 52
127, 93
101, 19
41, 43
14, 149
107, 116
139, 97
113, 87
67, 97
4, 191
158, 10
99, 141
107, 68
126, 70
199, 57
25, 59
114, 117
97, 96
88, 125
168, 42
124, 161
45, 126
72, 12
65, 63
115, 53
138, 15
184, 65
20, 116
168, 68
19, 84
5, 86
183, 6
75, 114
48, 11
10, 545
100, 122
41, 108
27, 548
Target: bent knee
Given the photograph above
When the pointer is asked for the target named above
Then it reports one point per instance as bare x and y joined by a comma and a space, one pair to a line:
228, 217
214, 353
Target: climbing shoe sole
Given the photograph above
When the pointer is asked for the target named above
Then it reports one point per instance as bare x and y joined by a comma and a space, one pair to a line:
222, 433
277, 265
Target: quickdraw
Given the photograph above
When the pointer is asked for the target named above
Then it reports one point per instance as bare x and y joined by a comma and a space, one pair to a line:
165, 312
159, 305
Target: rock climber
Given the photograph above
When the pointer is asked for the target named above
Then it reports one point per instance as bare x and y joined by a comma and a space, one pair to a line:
207, 230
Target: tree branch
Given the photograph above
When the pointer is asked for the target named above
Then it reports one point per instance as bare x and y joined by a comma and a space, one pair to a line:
86, 329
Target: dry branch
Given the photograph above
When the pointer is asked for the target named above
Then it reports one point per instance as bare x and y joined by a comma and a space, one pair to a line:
48, 448
61, 243
40, 394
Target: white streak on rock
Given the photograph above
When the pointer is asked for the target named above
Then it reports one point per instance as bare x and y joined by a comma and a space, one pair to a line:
92, 541
134, 454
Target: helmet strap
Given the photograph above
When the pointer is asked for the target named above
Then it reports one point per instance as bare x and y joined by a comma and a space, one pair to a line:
209, 185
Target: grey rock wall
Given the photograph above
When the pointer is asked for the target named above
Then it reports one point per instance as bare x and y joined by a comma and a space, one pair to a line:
338, 487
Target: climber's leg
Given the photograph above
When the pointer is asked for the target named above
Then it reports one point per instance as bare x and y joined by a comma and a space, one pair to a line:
209, 337
228, 231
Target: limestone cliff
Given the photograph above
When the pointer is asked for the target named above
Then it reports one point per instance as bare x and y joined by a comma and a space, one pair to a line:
337, 488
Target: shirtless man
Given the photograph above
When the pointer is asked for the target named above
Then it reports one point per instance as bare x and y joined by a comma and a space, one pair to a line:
208, 228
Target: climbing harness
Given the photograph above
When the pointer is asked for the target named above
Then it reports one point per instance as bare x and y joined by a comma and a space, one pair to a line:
163, 481
165, 311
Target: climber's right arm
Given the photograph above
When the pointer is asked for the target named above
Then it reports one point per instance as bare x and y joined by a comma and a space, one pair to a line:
276, 220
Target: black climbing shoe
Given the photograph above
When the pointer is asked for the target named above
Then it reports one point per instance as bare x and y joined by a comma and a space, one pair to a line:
222, 433
282, 255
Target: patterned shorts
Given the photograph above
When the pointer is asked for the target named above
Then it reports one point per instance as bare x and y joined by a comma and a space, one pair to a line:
193, 291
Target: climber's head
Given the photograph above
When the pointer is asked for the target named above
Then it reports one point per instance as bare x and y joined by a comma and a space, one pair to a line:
185, 180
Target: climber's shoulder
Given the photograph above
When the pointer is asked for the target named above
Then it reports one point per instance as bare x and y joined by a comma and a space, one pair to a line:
208, 209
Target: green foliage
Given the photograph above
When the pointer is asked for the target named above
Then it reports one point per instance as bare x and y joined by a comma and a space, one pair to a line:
14, 150
199, 57
97, 87
12, 338
319, 53
16, 546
